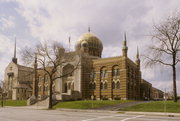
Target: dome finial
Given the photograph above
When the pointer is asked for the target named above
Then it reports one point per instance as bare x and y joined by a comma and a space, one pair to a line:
89, 29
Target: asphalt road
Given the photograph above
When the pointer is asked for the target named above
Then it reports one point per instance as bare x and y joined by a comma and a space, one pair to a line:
24, 114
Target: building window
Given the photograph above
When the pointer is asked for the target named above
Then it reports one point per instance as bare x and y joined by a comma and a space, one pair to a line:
103, 73
105, 85
94, 86
10, 68
46, 77
115, 71
113, 85
101, 85
65, 87
118, 85
90, 85
69, 85
118, 72
39, 88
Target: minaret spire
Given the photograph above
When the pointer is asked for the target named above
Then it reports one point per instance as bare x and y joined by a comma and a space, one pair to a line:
138, 62
14, 59
137, 55
125, 48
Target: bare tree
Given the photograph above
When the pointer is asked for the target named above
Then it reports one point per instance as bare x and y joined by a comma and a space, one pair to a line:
48, 57
166, 46
2, 92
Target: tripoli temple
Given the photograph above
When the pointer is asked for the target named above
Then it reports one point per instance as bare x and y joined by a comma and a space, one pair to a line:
95, 77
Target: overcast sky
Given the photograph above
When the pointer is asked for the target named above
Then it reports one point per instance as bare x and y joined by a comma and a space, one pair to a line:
32, 21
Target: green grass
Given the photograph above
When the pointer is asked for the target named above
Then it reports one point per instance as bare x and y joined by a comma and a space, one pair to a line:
88, 104
156, 106
14, 103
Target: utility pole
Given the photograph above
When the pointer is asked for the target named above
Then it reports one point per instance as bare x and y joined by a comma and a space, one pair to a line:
35, 84
165, 100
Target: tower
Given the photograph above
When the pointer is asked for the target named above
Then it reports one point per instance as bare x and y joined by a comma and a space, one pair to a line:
125, 48
14, 59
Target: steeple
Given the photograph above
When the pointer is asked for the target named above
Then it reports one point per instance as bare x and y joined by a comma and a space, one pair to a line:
125, 48
14, 59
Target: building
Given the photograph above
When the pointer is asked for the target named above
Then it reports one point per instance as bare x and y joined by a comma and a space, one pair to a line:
95, 77
146, 90
157, 94
18, 80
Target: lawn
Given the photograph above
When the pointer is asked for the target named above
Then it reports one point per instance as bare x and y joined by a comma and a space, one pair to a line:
156, 106
14, 103
88, 104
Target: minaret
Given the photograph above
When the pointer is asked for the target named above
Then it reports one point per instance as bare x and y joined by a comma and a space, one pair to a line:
125, 48
14, 59
137, 58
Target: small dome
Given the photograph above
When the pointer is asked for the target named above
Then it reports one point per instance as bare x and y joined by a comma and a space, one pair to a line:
94, 44
84, 44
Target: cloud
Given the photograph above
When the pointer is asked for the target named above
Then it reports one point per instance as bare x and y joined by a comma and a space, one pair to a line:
57, 19
6, 22
4, 53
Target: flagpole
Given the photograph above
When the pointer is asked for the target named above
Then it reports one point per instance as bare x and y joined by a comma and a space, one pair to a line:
69, 43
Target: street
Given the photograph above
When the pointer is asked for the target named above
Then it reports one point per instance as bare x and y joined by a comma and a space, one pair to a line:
23, 114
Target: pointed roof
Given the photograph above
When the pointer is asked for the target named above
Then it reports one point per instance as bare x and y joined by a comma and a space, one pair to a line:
137, 55
14, 59
125, 42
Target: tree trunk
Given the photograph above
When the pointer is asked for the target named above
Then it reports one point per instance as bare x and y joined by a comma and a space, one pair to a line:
174, 79
50, 94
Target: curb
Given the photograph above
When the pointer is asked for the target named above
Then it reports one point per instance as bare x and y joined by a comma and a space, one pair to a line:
154, 113
124, 112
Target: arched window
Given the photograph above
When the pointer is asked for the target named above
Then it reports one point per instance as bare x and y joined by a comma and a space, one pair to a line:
39, 89
101, 85
113, 85
105, 85
68, 69
65, 87
103, 73
118, 72
94, 86
90, 85
72, 85
115, 71
118, 85
69, 85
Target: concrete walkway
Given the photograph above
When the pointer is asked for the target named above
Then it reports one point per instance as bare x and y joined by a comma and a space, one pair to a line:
120, 106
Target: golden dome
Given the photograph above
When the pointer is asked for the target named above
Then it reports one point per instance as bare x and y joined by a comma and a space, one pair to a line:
94, 44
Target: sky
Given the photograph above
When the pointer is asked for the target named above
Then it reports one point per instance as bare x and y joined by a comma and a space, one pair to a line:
31, 21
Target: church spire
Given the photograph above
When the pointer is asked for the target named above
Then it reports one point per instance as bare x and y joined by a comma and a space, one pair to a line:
138, 59
125, 48
14, 59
